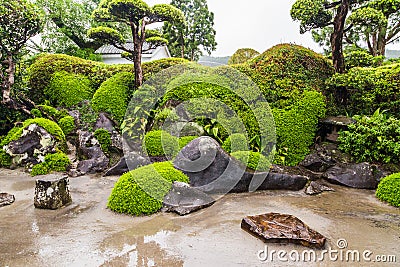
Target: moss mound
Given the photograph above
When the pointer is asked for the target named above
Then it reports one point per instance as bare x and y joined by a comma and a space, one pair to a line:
58, 162
235, 142
131, 193
184, 140
285, 71
5, 159
253, 160
160, 143
242, 56
389, 190
114, 94
67, 124
104, 138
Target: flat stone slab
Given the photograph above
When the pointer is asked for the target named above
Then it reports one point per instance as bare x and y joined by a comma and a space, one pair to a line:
282, 228
183, 199
6, 199
52, 192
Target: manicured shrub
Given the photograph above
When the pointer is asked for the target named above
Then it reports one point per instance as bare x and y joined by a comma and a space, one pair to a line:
184, 140
236, 142
242, 55
114, 94
67, 124
104, 138
58, 162
140, 192
5, 159
364, 90
296, 127
160, 143
389, 190
361, 58
372, 138
50, 126
42, 70
253, 160
66, 89
285, 71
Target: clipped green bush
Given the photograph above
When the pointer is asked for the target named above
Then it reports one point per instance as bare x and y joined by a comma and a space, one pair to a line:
50, 126
184, 140
253, 160
361, 58
5, 159
66, 89
364, 90
296, 127
67, 124
42, 70
373, 138
389, 190
160, 143
104, 138
285, 71
131, 193
57, 162
114, 94
236, 141
242, 56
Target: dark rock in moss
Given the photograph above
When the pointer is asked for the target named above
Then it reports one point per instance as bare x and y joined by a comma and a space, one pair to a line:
282, 228
127, 163
104, 122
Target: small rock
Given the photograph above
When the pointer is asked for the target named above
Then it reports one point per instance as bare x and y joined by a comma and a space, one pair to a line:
316, 188
103, 122
127, 163
315, 163
52, 192
282, 228
6, 199
184, 199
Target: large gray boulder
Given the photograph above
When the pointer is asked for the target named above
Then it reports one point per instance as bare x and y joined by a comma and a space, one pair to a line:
52, 192
129, 162
212, 170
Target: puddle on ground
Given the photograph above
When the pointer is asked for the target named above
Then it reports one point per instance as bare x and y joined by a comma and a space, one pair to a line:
86, 233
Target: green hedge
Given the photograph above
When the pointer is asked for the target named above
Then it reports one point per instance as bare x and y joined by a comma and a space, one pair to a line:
296, 127
58, 162
50, 126
114, 94
67, 89
285, 71
160, 143
42, 70
130, 198
389, 190
236, 141
253, 160
364, 90
372, 138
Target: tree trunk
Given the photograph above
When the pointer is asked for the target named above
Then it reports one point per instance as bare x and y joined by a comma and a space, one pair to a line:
381, 45
182, 46
337, 36
137, 55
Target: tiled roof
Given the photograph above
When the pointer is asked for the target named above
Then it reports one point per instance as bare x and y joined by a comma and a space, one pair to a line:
110, 49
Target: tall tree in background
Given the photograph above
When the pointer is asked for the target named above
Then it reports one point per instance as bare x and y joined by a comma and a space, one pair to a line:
19, 21
198, 34
136, 15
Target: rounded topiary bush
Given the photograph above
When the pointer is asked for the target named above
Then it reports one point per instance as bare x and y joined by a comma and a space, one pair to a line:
243, 55
235, 142
5, 159
68, 89
253, 160
389, 189
104, 138
58, 162
114, 94
160, 143
67, 124
140, 192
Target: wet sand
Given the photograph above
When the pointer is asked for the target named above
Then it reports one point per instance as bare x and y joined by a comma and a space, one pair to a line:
86, 233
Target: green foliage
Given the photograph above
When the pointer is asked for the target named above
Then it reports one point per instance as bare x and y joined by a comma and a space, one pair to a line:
374, 138
242, 56
66, 89
190, 39
50, 126
8, 117
131, 194
361, 58
114, 94
67, 124
104, 138
296, 127
160, 143
368, 89
108, 35
88, 116
285, 71
42, 70
5, 159
184, 140
57, 162
36, 113
235, 142
253, 160
389, 190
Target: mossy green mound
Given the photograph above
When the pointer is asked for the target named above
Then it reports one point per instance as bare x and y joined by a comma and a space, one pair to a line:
253, 160
57, 162
389, 190
160, 143
235, 142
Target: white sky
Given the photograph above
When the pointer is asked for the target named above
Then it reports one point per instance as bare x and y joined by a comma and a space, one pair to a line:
258, 24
